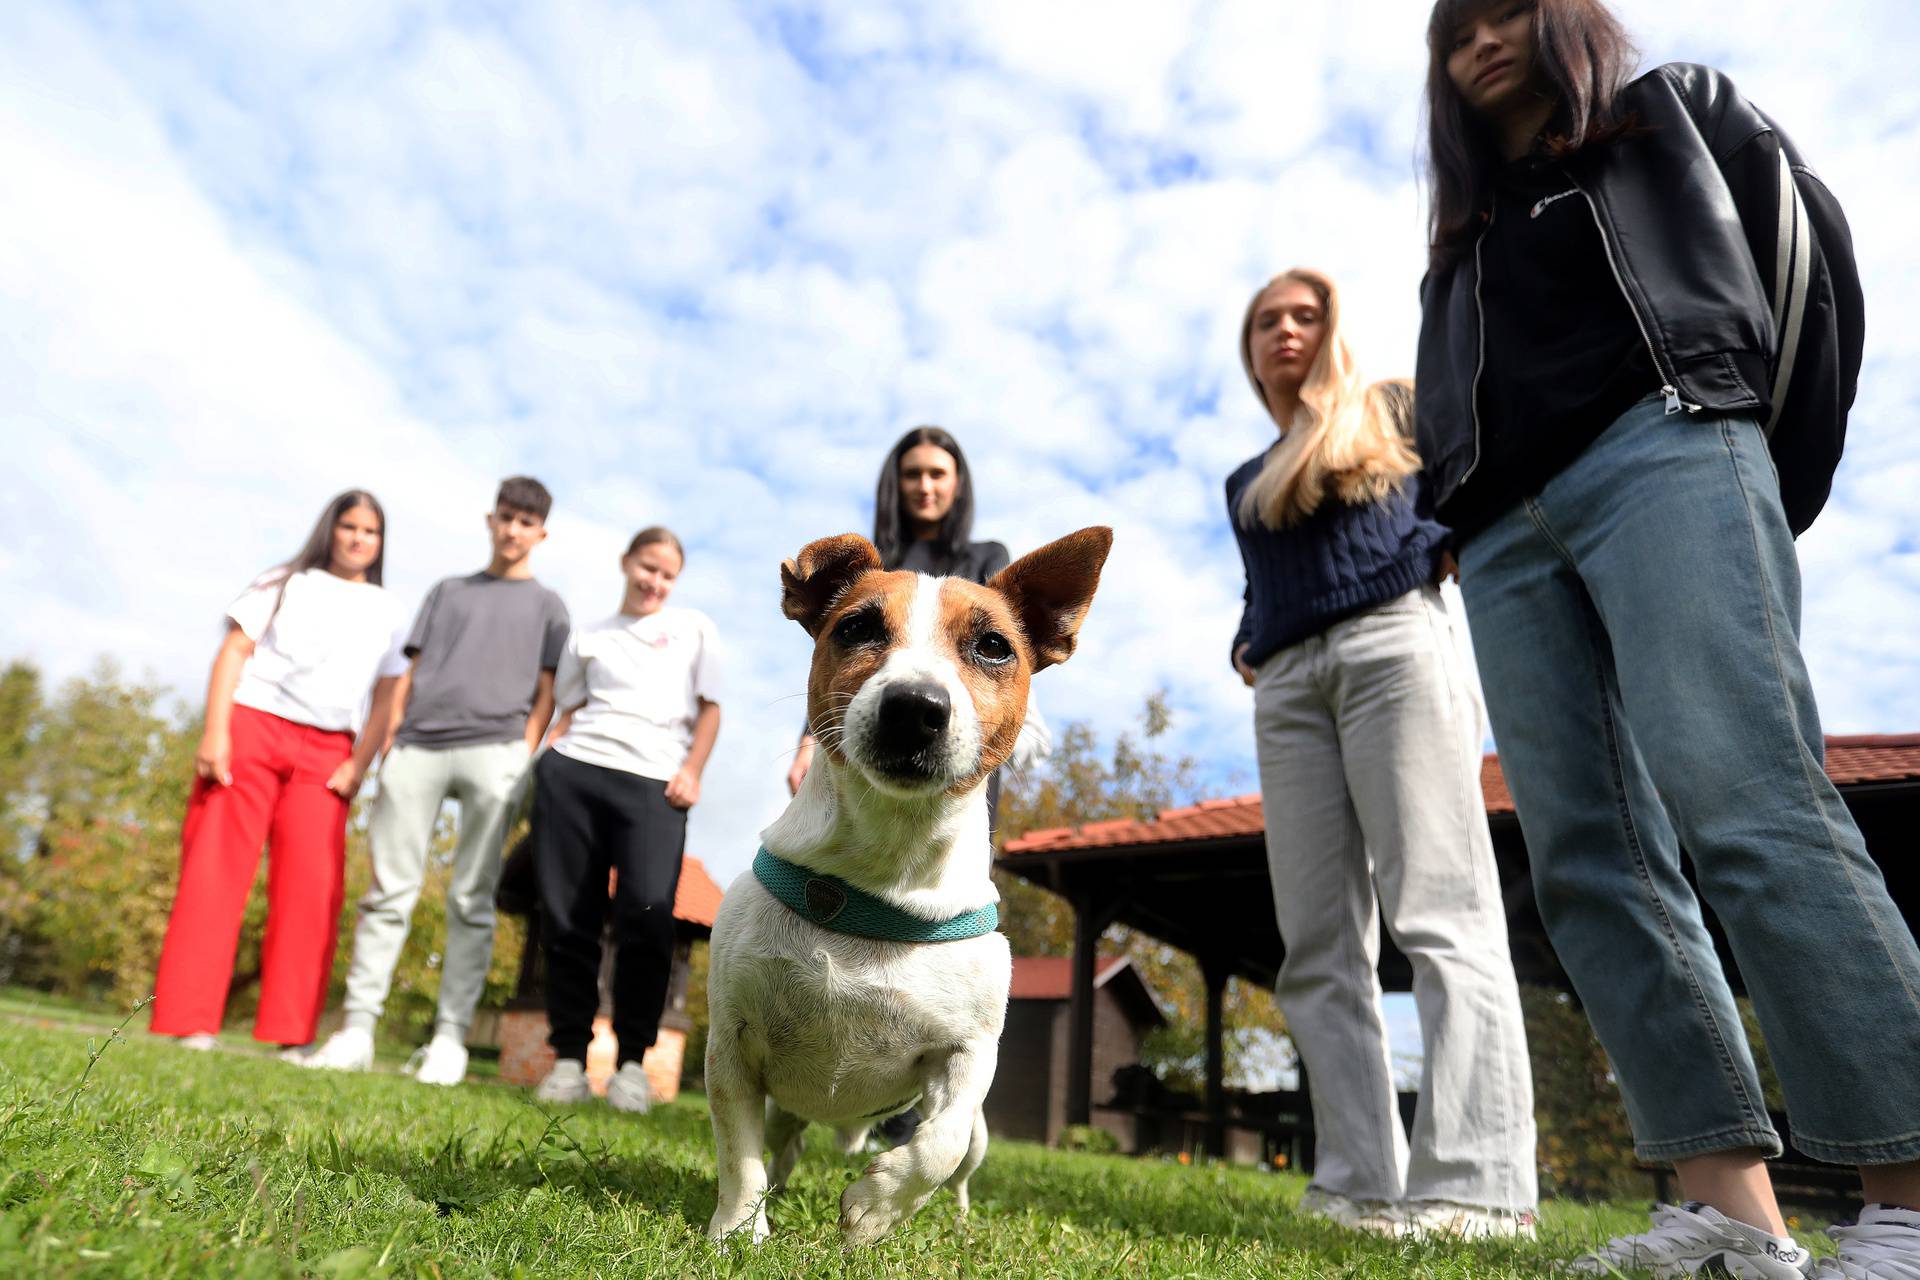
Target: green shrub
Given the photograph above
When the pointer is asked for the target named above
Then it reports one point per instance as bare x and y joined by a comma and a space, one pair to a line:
1089, 1138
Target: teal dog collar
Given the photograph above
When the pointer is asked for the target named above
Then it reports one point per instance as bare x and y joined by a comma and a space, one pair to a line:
832, 903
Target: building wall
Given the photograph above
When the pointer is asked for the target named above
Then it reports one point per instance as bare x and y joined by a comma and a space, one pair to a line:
1029, 1095
1116, 1044
1018, 1104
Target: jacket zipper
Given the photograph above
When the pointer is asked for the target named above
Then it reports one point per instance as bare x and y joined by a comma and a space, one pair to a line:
1669, 383
1480, 358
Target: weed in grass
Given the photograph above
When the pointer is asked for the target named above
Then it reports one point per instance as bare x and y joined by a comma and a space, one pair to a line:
95, 1054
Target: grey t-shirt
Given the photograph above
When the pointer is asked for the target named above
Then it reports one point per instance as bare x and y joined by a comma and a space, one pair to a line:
479, 645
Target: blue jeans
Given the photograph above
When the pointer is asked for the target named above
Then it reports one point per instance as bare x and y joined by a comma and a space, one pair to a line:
1637, 629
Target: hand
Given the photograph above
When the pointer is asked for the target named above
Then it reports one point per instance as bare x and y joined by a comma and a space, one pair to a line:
1240, 665
683, 789
213, 759
802, 761
346, 778
1446, 567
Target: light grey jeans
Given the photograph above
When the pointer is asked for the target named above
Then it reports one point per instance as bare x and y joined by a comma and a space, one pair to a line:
414, 782
1369, 745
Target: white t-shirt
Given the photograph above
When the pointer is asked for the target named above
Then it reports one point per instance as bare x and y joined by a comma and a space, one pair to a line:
642, 680
316, 661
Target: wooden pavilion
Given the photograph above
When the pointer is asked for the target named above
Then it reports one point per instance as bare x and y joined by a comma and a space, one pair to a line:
1196, 878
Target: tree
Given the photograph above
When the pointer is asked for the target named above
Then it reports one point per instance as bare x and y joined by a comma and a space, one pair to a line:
1079, 784
95, 796
93, 787
19, 708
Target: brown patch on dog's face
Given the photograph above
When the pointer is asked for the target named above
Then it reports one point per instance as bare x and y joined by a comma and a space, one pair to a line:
982, 638
853, 639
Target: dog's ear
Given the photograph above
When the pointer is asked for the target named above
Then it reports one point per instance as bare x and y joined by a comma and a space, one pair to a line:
1051, 588
810, 583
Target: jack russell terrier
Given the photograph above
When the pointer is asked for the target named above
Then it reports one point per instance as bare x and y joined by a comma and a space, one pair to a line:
858, 972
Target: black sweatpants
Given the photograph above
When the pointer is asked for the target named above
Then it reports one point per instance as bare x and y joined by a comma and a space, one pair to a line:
587, 820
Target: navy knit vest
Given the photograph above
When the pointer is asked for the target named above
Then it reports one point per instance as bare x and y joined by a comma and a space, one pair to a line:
1340, 560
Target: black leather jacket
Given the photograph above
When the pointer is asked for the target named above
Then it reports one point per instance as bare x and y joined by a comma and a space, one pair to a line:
1690, 208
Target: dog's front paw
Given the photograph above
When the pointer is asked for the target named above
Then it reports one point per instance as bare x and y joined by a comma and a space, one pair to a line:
749, 1225
878, 1202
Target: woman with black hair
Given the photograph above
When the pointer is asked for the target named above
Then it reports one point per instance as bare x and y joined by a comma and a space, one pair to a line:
923, 521
1637, 291
278, 765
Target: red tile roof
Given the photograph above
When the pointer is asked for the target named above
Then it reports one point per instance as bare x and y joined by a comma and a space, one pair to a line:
697, 900
1852, 760
1051, 977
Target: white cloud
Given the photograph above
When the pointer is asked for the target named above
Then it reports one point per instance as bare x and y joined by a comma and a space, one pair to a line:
701, 264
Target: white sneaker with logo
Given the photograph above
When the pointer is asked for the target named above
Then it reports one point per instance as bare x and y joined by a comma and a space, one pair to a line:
629, 1090
348, 1049
1448, 1220
1374, 1216
567, 1082
442, 1061
1697, 1239
1883, 1245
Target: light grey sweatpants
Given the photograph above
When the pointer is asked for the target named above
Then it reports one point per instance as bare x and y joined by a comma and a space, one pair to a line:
414, 782
1369, 744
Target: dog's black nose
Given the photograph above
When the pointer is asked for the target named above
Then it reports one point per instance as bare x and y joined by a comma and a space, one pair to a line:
912, 717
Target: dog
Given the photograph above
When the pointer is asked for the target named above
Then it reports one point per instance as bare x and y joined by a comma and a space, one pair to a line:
857, 972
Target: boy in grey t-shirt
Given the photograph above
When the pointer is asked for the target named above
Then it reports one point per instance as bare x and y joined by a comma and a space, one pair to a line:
476, 703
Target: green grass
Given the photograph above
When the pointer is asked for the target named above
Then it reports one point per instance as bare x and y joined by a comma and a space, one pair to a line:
172, 1163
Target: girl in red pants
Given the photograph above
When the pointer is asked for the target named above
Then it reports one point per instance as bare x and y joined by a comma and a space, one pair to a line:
278, 765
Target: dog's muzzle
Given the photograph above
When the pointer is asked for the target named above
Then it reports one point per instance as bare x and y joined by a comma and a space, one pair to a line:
908, 730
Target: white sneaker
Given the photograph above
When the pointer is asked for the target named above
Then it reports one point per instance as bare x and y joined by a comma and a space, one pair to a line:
629, 1090
442, 1061
200, 1041
348, 1049
1697, 1239
1374, 1216
567, 1082
297, 1054
1448, 1219
1883, 1245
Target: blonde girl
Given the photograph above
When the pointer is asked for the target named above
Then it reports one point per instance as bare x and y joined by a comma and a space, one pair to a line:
1368, 736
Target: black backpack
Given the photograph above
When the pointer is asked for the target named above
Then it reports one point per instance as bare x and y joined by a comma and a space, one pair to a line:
1819, 326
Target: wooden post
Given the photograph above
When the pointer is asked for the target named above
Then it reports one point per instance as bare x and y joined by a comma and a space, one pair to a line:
1086, 935
1215, 970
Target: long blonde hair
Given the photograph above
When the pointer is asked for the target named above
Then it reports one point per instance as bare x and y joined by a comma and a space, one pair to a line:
1347, 436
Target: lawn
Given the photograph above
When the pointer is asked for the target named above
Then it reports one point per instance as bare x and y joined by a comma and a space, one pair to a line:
171, 1163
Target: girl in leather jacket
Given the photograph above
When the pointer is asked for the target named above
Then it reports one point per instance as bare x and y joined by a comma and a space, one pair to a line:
1608, 341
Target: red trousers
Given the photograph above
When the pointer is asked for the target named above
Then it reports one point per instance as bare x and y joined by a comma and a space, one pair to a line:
278, 798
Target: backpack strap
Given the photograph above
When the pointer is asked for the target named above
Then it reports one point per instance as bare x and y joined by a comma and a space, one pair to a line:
1792, 274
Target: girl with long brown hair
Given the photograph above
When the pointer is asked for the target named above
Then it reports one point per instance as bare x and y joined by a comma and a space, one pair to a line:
1368, 736
1638, 290
307, 645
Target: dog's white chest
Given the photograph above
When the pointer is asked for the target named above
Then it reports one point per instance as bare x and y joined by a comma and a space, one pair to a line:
842, 1028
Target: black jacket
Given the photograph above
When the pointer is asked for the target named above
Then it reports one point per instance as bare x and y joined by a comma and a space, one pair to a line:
1710, 243
976, 561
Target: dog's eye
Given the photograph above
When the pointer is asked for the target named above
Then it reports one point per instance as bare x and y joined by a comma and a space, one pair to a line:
859, 628
991, 646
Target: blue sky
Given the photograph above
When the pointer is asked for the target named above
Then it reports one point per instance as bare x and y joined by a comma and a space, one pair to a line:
699, 264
